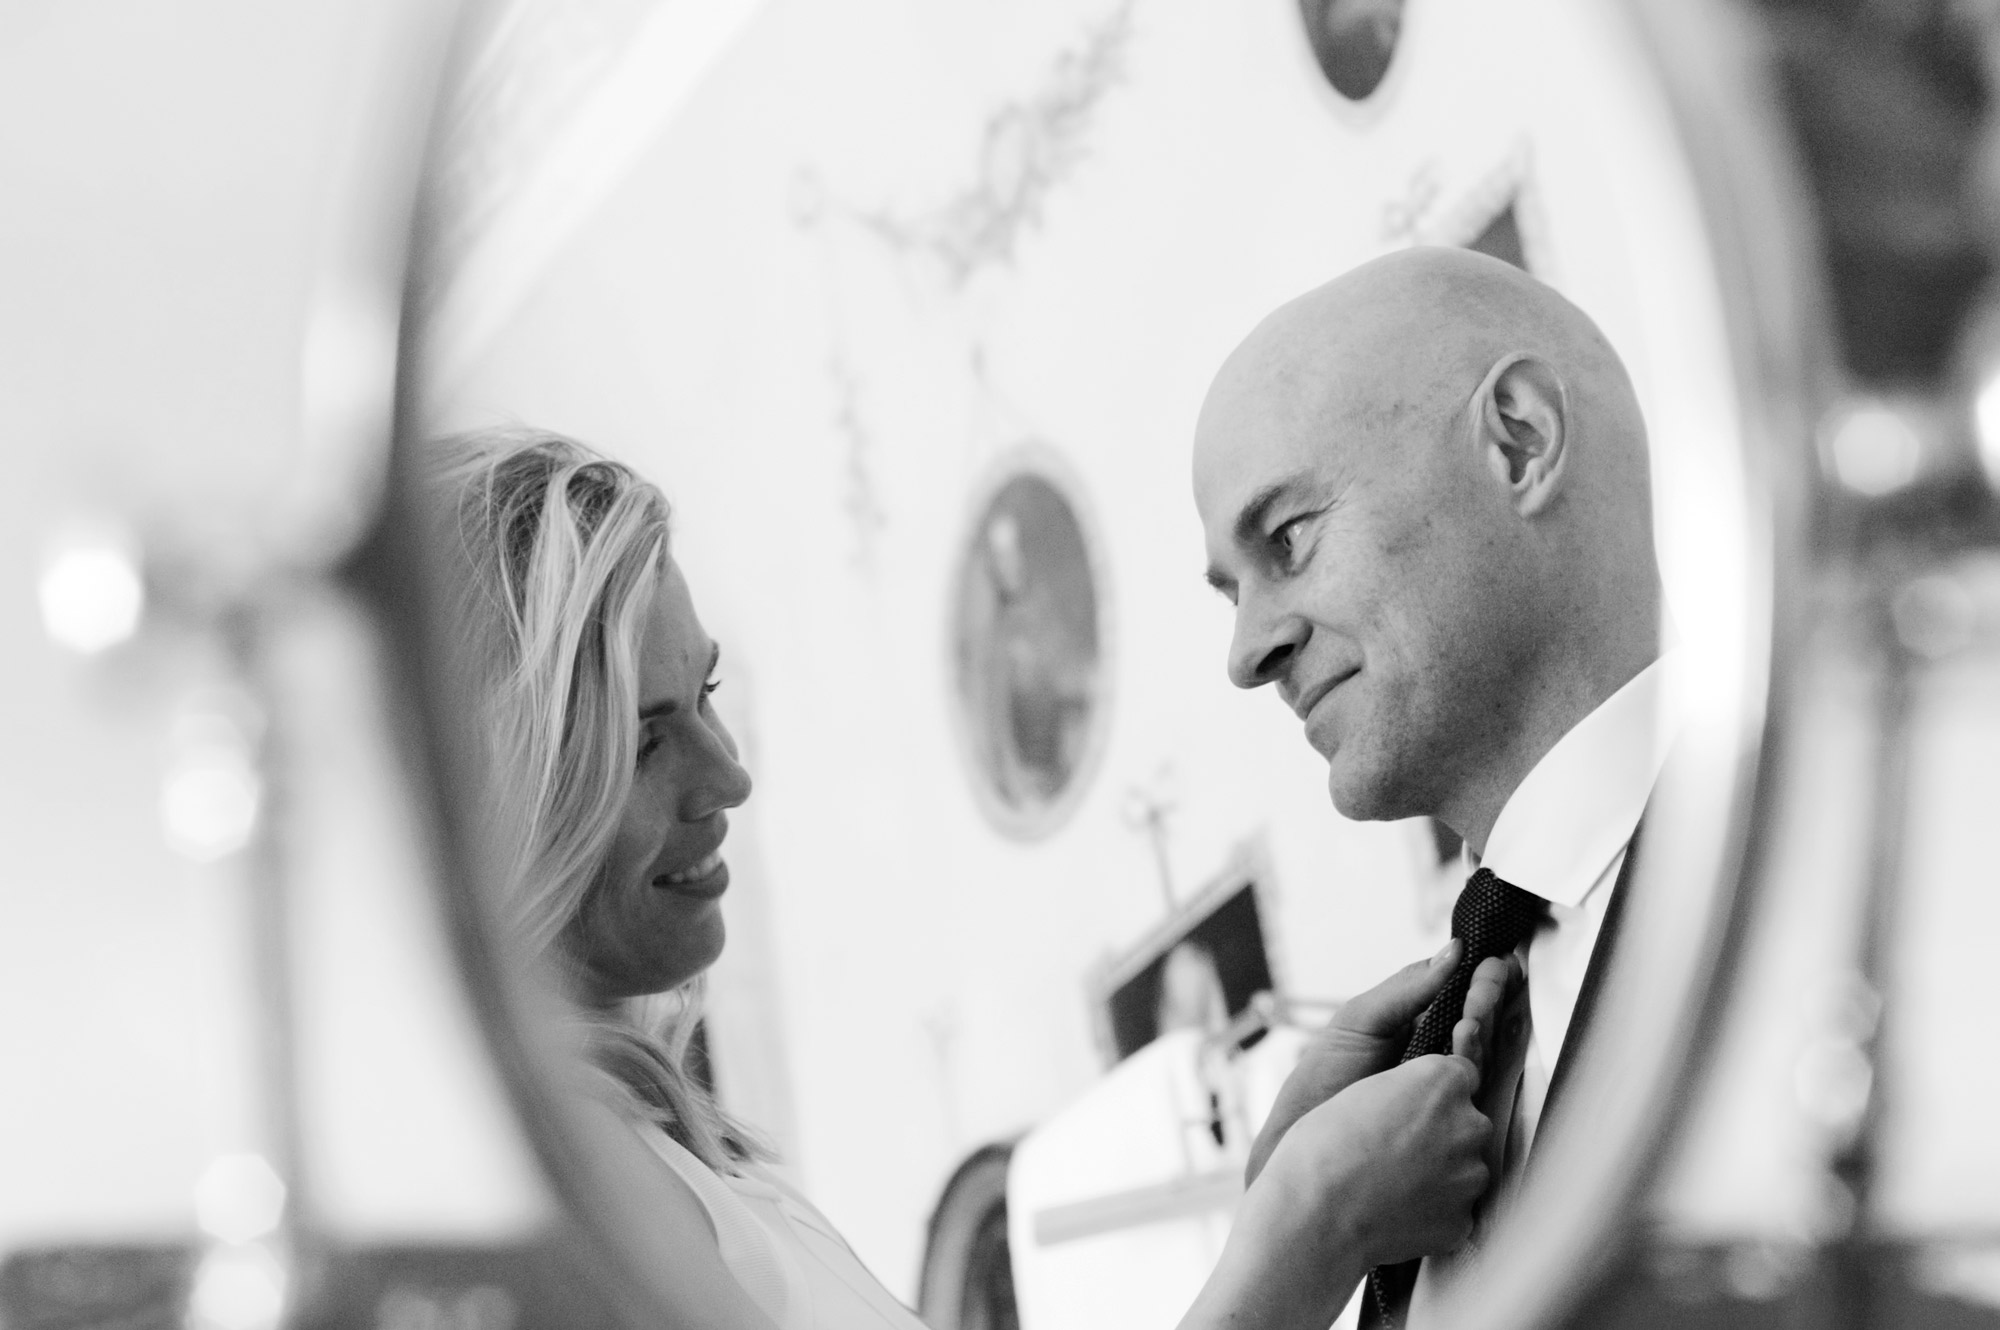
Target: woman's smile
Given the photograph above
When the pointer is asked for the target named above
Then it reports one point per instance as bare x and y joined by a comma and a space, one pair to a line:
706, 878
657, 923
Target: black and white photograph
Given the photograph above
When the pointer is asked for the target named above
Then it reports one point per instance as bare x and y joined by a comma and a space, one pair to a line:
945, 665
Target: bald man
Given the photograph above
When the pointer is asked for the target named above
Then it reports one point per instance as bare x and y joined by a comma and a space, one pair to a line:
1424, 488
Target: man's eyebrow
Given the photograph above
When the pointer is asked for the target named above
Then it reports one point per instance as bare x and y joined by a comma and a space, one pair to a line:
1249, 529
1249, 526
666, 706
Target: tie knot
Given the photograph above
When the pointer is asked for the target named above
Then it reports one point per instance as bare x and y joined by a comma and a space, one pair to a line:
1494, 916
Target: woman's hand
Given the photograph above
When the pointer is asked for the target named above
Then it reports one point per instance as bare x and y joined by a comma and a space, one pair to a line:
1370, 1031
1365, 1036
1386, 1170
1397, 1160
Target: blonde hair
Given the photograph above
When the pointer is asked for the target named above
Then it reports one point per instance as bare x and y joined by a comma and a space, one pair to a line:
560, 552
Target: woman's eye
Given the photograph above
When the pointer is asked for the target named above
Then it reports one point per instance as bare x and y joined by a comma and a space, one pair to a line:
648, 745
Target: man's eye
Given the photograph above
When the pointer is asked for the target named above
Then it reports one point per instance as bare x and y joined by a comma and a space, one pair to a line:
1287, 537
708, 689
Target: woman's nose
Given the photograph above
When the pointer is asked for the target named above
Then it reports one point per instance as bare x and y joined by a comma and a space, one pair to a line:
718, 780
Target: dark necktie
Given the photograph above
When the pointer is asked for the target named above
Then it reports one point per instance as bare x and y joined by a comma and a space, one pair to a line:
1492, 918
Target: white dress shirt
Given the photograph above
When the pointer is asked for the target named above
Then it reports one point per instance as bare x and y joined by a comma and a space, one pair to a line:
1562, 835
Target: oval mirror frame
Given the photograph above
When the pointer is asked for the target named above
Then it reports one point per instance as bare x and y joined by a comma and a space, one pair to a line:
1666, 1001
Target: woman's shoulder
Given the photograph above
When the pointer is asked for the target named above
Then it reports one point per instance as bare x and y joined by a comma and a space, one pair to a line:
680, 1223
781, 1250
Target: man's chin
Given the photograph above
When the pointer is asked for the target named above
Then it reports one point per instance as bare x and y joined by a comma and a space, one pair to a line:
1362, 797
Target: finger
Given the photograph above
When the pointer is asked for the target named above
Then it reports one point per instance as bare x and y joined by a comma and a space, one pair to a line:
1455, 1075
1482, 1004
1488, 988
1466, 1043
1494, 970
1391, 1005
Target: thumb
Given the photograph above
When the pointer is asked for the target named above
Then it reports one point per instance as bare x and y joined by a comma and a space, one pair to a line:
1394, 1003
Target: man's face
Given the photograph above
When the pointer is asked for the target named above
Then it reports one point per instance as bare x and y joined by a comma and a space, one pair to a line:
1357, 543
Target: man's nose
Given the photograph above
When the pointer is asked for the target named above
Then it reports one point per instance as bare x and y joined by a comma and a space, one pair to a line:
1264, 643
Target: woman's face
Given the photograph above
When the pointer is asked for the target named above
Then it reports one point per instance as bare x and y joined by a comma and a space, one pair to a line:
654, 919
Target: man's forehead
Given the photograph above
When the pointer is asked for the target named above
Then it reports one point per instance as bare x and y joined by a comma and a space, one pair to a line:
1239, 480
1251, 441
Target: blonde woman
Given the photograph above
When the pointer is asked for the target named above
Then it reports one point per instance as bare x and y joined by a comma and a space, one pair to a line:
611, 780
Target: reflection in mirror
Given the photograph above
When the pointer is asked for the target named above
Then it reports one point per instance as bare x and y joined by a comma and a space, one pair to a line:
821, 334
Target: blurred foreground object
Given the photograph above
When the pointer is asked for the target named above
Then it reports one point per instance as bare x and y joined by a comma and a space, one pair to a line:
248, 1087
1838, 1165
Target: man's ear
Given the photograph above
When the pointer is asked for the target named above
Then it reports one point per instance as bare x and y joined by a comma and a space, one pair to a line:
1523, 427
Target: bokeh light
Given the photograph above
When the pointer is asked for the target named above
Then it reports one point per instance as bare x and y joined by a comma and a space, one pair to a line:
239, 1198
1986, 424
92, 594
1872, 448
237, 1288
210, 796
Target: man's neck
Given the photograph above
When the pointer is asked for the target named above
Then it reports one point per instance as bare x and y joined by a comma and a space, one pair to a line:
1546, 716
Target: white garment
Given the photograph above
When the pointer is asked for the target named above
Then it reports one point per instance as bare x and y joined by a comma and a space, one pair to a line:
782, 1250
1562, 835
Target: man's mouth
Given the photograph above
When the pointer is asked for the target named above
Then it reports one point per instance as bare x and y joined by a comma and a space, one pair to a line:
1317, 695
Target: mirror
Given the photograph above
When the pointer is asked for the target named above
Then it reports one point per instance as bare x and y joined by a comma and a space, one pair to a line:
911, 323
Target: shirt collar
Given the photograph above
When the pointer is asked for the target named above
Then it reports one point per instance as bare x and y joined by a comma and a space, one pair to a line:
1578, 807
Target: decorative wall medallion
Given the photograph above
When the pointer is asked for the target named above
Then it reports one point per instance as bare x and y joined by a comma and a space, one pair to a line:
1028, 653
1353, 40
